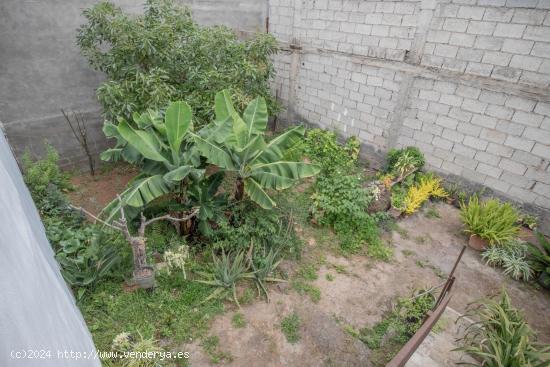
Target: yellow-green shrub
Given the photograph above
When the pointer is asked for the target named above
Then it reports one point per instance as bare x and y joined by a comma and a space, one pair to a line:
427, 186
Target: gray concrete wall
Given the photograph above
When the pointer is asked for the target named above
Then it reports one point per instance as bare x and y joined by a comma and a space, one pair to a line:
466, 81
42, 71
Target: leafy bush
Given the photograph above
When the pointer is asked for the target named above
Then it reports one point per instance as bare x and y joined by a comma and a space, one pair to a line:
540, 259
163, 56
322, 147
428, 186
265, 229
502, 337
46, 182
338, 197
340, 201
403, 161
512, 257
85, 253
491, 220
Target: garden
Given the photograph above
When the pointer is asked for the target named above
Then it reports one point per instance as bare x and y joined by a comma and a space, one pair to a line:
207, 231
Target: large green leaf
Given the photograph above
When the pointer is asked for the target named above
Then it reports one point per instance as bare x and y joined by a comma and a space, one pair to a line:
180, 173
223, 106
214, 154
177, 121
144, 142
257, 194
255, 116
111, 155
277, 147
143, 191
240, 132
280, 175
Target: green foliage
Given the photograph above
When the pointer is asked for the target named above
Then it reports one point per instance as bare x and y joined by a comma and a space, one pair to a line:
162, 148
403, 161
501, 337
322, 147
512, 257
540, 258
124, 344
338, 197
46, 182
227, 270
387, 336
84, 252
491, 220
163, 56
398, 196
176, 310
265, 229
340, 201
238, 320
237, 144
290, 326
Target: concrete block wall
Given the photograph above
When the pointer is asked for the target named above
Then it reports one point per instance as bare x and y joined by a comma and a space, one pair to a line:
466, 81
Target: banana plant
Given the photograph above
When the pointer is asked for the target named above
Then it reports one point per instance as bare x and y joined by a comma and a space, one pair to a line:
237, 144
167, 159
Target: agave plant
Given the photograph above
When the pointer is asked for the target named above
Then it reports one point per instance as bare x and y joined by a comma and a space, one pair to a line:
237, 144
227, 271
501, 337
264, 267
167, 159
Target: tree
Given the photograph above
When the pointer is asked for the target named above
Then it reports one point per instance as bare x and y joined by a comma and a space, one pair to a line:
237, 144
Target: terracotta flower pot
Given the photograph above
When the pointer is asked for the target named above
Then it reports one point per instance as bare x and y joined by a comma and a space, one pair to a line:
477, 243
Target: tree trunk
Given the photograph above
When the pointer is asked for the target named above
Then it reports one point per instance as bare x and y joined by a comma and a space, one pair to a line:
239, 189
140, 260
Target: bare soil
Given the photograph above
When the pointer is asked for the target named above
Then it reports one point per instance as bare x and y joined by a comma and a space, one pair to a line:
358, 294
93, 193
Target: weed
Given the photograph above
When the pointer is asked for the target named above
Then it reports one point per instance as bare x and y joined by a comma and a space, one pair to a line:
329, 277
340, 269
302, 287
210, 345
238, 320
402, 232
432, 213
387, 336
308, 272
290, 326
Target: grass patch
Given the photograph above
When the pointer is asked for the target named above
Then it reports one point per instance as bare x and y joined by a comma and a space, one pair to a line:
211, 345
290, 326
238, 320
174, 310
329, 277
302, 288
432, 213
436, 269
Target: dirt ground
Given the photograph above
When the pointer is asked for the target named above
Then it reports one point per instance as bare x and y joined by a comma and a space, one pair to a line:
93, 193
358, 295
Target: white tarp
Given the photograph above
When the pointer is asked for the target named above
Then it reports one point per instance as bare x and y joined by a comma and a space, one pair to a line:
40, 325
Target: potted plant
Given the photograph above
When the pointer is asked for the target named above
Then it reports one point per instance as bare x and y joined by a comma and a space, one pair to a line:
397, 202
540, 260
489, 222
